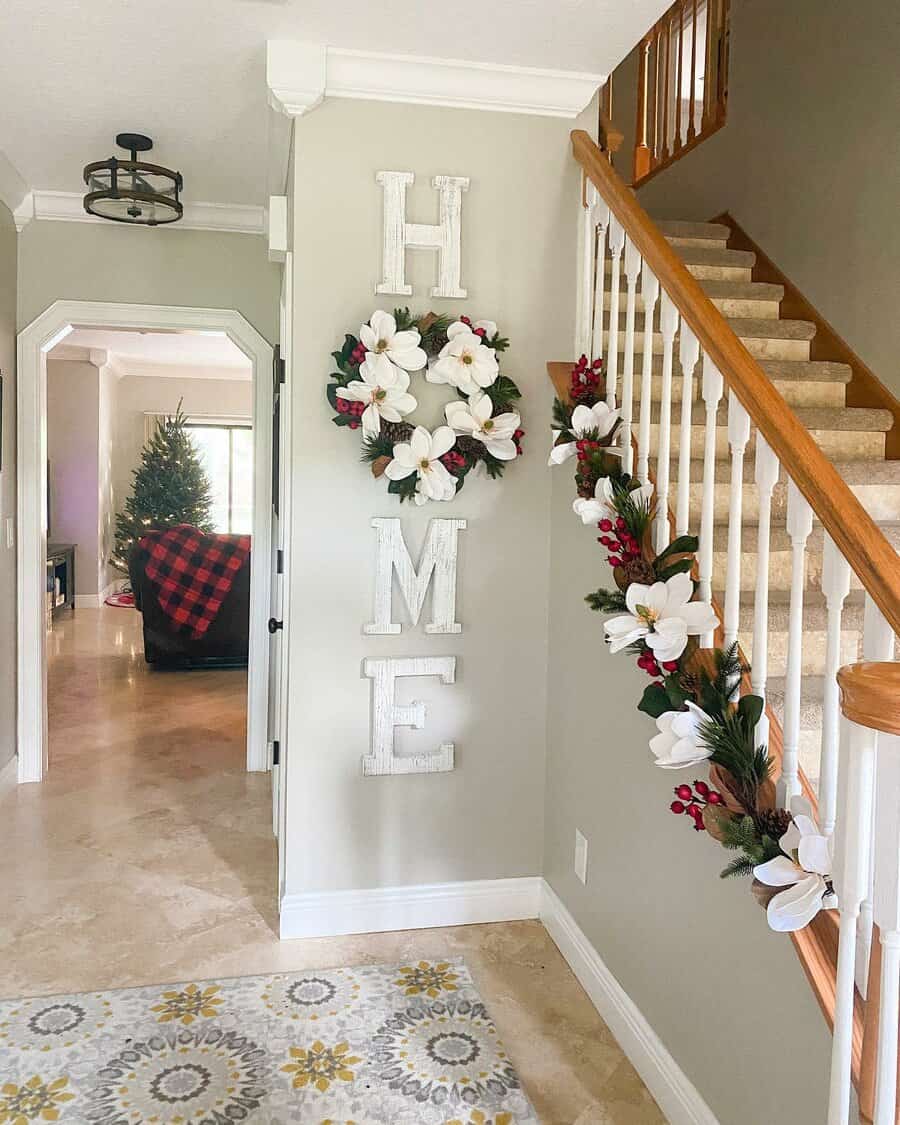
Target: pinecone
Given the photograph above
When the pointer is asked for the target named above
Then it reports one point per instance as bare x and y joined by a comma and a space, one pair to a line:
396, 431
772, 822
470, 447
639, 570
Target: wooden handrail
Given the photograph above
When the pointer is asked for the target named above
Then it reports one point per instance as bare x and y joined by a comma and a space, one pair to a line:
870, 695
853, 530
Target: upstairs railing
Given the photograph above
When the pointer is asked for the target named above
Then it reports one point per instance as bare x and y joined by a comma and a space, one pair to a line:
627, 267
682, 86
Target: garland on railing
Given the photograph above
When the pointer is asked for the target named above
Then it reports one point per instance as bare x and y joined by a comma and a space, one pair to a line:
694, 692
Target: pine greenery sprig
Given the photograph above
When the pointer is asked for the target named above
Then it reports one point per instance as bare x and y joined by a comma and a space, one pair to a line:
562, 416
374, 448
740, 834
717, 692
731, 738
634, 509
606, 601
503, 392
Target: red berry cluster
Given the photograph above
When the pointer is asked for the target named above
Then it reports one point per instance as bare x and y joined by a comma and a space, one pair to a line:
624, 547
653, 667
585, 380
694, 801
517, 438
478, 331
453, 461
358, 354
354, 409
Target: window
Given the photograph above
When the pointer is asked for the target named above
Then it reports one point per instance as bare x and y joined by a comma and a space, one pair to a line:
226, 449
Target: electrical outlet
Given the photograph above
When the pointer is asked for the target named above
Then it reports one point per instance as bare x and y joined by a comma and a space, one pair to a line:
10, 533
581, 850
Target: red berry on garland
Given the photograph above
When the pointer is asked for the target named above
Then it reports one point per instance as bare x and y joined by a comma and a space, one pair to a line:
605, 525
354, 425
677, 807
715, 798
465, 320
684, 792
479, 332
614, 560
670, 665
694, 810
620, 523
699, 826
343, 406
702, 788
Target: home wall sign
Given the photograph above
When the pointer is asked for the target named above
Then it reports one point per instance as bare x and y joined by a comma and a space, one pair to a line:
437, 568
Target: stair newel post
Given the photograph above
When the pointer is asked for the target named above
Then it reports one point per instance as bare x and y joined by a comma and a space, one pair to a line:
649, 297
835, 587
688, 354
616, 246
766, 472
586, 244
602, 220
668, 323
738, 436
632, 273
799, 526
712, 395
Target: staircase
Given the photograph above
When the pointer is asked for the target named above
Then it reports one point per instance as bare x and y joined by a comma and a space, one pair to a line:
853, 439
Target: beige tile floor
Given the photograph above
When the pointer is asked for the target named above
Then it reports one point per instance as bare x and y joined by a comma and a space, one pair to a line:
146, 857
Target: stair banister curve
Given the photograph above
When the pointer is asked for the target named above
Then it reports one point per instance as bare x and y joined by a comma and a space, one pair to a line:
839, 957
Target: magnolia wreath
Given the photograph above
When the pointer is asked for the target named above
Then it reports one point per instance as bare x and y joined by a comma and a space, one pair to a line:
694, 693
370, 391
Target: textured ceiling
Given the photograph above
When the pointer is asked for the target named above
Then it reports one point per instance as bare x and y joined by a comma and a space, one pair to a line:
191, 73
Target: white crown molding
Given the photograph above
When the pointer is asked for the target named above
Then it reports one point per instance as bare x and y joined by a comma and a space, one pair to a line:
13, 189
674, 1093
330, 913
300, 75
24, 212
67, 207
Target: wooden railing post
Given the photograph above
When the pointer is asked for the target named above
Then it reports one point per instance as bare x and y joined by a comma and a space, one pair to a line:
642, 149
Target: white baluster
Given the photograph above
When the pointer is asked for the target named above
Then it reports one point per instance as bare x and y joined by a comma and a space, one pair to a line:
668, 324
688, 354
616, 245
602, 221
886, 851
799, 526
835, 587
712, 396
766, 476
852, 850
649, 297
632, 271
586, 243
738, 436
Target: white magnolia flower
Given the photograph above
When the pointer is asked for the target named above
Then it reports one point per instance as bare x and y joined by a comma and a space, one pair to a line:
602, 506
465, 362
488, 327
663, 616
597, 419
383, 387
380, 335
474, 417
422, 454
804, 876
677, 743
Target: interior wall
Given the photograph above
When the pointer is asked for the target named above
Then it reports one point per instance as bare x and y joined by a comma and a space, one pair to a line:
111, 262
726, 995
808, 161
8, 256
483, 820
107, 500
138, 395
73, 444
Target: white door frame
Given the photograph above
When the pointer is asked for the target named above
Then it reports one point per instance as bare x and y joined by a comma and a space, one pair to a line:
43, 333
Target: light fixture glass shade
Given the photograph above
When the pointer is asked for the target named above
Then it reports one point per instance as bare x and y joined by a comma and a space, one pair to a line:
133, 191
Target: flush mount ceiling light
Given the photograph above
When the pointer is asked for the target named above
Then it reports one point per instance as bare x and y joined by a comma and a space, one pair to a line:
133, 191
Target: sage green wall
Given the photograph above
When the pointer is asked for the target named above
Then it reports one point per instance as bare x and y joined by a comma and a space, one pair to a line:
726, 995
109, 262
808, 161
483, 820
7, 487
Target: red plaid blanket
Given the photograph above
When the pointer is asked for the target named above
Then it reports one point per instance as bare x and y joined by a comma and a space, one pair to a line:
193, 572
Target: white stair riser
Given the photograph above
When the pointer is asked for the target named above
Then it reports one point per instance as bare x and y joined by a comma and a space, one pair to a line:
708, 272
839, 445
882, 501
813, 653
759, 348
727, 306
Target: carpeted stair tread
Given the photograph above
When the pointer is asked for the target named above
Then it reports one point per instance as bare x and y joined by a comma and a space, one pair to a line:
678, 228
852, 472
848, 418
744, 327
785, 370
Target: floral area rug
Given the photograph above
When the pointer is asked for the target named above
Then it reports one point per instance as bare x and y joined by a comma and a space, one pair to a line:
400, 1044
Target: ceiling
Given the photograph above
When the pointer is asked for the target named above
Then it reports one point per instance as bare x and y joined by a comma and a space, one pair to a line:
178, 355
191, 73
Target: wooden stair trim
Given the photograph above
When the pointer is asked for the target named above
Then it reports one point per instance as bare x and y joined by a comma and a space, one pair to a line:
848, 523
865, 388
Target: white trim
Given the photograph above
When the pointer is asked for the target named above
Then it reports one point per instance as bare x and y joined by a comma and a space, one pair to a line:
34, 342
96, 601
9, 776
675, 1094
332, 913
300, 75
67, 207
13, 189
278, 228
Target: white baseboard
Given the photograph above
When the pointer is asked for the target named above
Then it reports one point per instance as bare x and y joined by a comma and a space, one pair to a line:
95, 601
332, 913
9, 775
675, 1094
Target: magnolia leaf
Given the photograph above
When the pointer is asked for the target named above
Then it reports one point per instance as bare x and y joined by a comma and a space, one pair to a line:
379, 465
714, 818
675, 692
722, 780
765, 795
683, 545
655, 701
763, 893
680, 567
750, 709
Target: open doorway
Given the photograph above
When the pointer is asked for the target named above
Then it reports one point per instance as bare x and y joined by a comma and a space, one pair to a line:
64, 324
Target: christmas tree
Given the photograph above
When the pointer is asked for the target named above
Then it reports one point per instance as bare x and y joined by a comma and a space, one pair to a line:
170, 487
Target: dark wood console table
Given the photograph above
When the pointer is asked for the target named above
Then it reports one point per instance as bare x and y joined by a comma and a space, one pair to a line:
61, 576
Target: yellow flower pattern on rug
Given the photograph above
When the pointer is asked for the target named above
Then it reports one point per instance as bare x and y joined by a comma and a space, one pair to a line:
319, 1065
426, 979
479, 1118
36, 1100
189, 1004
